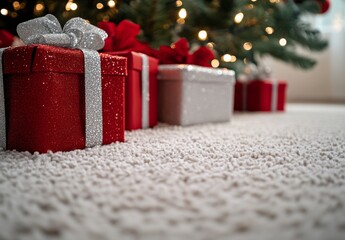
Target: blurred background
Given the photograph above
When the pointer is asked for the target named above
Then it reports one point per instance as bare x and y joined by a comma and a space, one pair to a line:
326, 81
300, 41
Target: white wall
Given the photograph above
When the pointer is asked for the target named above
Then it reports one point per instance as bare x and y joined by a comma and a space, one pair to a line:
326, 81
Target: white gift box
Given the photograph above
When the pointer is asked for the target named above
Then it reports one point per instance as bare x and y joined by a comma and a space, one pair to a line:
189, 94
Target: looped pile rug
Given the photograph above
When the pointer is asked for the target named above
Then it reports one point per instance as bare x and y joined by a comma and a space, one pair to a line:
261, 176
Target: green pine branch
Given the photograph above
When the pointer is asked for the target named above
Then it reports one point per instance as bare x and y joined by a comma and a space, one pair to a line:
159, 25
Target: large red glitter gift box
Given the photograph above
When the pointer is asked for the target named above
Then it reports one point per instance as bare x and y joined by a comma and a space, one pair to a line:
45, 99
260, 95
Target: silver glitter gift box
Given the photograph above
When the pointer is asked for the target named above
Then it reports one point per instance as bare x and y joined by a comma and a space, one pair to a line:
189, 94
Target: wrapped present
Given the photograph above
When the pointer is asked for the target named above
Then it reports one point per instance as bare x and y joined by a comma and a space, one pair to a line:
190, 94
57, 98
260, 95
141, 82
189, 90
256, 90
141, 90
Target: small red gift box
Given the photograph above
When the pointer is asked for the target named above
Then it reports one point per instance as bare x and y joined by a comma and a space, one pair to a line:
141, 91
260, 95
45, 98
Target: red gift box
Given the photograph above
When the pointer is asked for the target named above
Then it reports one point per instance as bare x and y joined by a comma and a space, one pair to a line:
134, 91
260, 95
45, 98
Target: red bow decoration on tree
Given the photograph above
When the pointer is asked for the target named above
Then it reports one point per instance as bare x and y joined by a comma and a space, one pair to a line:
123, 37
6, 39
178, 53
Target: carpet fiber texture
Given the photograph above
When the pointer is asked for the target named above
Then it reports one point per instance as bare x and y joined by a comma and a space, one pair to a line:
262, 176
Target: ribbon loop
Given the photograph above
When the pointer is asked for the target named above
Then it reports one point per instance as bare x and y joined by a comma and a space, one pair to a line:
30, 31
51, 39
77, 33
89, 36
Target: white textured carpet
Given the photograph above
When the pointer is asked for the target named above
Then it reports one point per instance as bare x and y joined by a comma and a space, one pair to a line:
262, 176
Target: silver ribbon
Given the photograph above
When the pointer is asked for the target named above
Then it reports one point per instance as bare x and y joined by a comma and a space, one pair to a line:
2, 105
145, 94
79, 34
93, 98
274, 98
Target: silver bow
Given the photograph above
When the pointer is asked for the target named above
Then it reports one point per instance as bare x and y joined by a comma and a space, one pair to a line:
77, 33
252, 72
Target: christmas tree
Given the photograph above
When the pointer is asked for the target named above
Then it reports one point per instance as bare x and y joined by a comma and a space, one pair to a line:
239, 31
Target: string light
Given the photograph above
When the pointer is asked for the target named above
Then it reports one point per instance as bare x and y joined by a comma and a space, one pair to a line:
70, 5
210, 45
74, 6
215, 63
253, 0
239, 17
202, 35
4, 11
282, 42
229, 58
182, 13
269, 30
22, 5
99, 5
180, 21
247, 46
178, 3
16, 5
39, 7
226, 57
111, 3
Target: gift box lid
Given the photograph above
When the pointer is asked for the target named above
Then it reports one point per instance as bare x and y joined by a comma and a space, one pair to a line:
263, 82
187, 72
44, 58
134, 60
